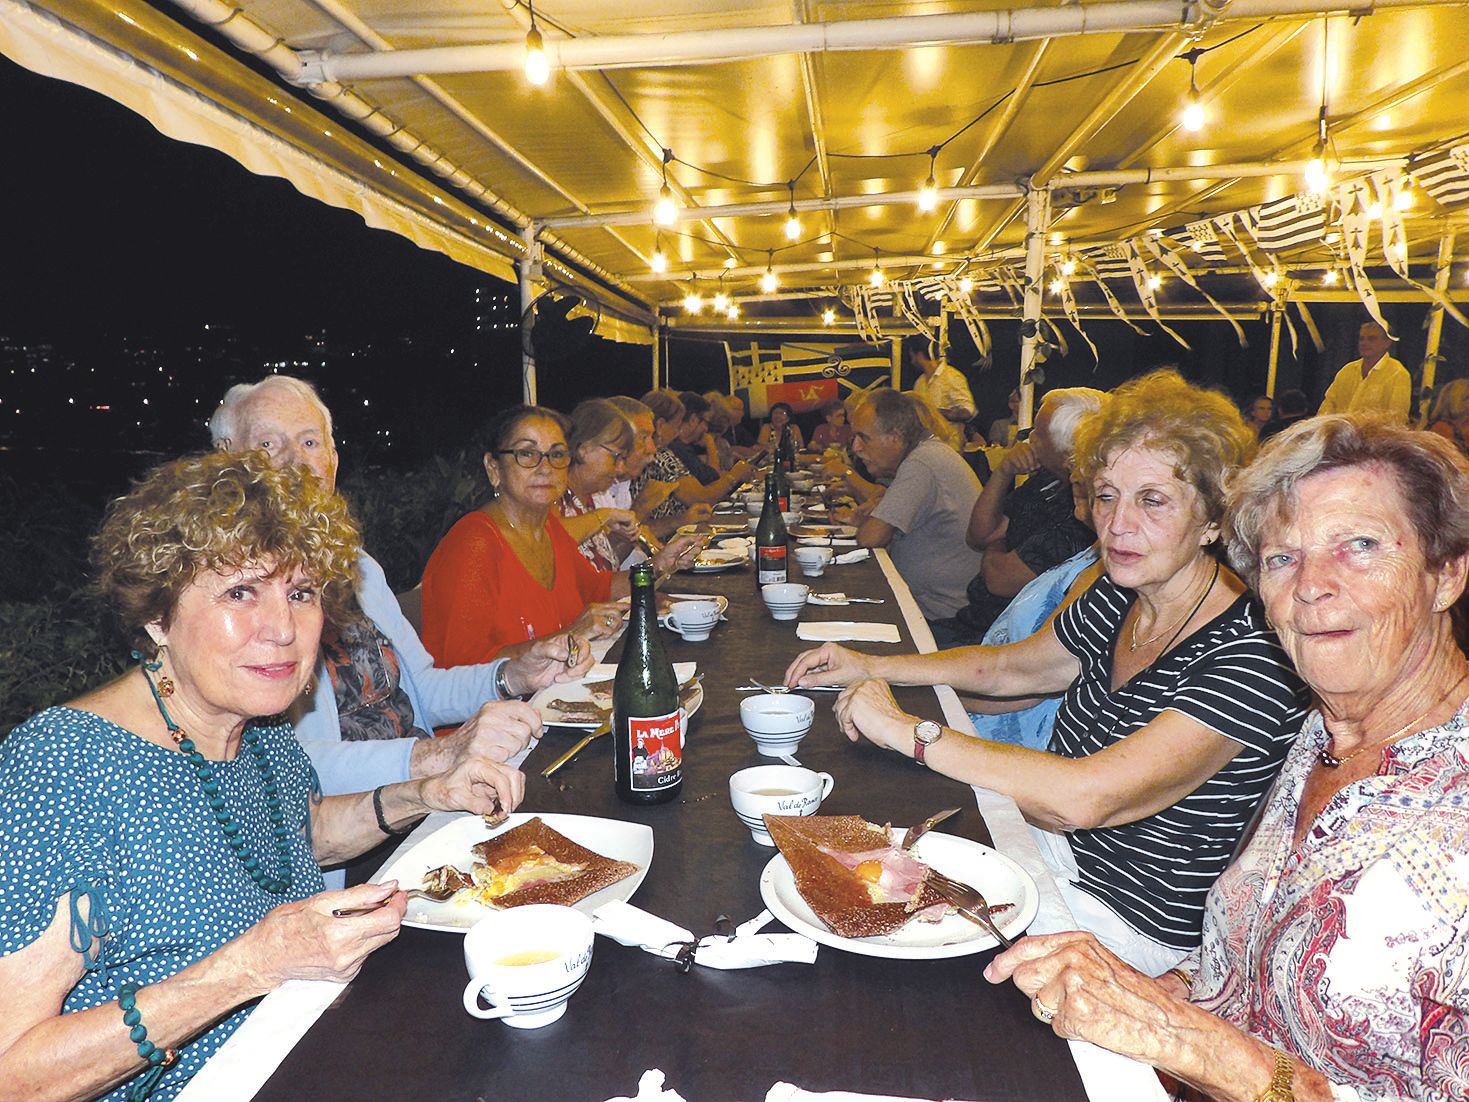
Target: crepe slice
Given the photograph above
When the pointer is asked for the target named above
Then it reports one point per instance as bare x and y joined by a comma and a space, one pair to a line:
532, 863
851, 875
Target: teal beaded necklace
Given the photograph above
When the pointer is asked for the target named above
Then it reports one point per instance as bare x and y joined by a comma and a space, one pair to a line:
275, 885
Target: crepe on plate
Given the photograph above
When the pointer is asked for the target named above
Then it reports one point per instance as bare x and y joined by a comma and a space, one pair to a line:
530, 863
851, 875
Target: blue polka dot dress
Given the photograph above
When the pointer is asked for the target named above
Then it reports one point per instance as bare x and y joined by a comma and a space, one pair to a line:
90, 810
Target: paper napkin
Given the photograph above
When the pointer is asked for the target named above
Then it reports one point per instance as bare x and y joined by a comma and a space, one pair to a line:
837, 631
849, 557
629, 925
651, 1089
789, 1092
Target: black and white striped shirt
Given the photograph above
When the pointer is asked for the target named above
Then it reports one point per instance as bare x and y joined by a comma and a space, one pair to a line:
1231, 676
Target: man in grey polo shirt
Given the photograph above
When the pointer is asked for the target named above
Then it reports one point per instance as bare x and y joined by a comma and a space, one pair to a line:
924, 512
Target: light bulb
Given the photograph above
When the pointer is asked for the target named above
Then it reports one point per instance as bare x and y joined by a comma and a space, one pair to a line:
537, 65
665, 210
693, 303
1193, 116
1318, 179
928, 195
659, 261
1068, 267
721, 301
965, 285
793, 226
1374, 212
1403, 200
733, 311
876, 278
1057, 286
769, 282
1271, 279
1154, 282
1330, 277
828, 316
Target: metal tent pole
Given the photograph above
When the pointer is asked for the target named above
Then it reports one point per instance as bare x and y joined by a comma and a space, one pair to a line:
528, 269
1435, 314
657, 356
1037, 214
1277, 311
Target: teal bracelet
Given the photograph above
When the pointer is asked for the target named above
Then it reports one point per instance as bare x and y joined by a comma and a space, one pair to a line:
159, 1060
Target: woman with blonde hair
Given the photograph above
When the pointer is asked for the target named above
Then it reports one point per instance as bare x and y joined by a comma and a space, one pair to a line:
1179, 703
601, 441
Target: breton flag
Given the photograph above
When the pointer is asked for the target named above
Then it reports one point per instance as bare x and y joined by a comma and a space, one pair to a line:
1109, 261
1288, 222
1203, 239
805, 376
1445, 175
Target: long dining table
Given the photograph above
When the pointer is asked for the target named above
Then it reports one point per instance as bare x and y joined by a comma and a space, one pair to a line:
928, 1029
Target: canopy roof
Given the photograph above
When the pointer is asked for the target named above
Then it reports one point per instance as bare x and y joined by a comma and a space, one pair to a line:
841, 107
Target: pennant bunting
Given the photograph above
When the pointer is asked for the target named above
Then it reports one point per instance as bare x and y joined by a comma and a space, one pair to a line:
1386, 187
1445, 175
1354, 200
1145, 292
1203, 239
1272, 282
1068, 304
1084, 264
1174, 263
906, 303
1289, 222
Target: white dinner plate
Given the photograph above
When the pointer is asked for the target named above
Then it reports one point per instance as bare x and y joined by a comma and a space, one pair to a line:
452, 842
830, 531
575, 691
1000, 880
712, 560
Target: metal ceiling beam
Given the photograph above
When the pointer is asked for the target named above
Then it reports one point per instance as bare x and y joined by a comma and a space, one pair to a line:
743, 43
814, 116
996, 132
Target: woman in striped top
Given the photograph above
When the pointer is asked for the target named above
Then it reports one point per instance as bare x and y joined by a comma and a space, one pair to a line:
1179, 703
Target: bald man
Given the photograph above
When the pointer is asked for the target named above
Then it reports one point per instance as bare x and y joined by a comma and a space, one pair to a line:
1374, 382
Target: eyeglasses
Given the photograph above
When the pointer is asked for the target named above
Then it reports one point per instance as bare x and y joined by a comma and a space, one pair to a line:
530, 458
620, 457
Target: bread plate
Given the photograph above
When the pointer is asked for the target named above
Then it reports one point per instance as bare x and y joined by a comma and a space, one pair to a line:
999, 878
577, 692
451, 844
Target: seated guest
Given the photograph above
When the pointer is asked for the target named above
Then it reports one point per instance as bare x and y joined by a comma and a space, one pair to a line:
159, 841
1179, 706
1448, 415
718, 424
1290, 407
1333, 963
922, 515
1002, 429
666, 467
376, 695
509, 572
694, 444
781, 415
1259, 411
833, 432
601, 440
1023, 531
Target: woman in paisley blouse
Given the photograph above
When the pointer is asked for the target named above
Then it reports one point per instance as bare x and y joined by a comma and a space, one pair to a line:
600, 439
1335, 960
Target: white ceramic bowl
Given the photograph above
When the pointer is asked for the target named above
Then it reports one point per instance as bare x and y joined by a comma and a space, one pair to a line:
785, 599
777, 717
791, 518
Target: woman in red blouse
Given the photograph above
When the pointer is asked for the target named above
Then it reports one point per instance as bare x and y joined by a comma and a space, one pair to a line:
509, 572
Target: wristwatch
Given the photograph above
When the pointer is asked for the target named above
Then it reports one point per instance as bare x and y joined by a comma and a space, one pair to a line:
925, 735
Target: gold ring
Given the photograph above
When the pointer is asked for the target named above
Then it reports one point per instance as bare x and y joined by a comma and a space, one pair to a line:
1042, 1011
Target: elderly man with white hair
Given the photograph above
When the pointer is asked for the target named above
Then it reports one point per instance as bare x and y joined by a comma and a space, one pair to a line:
377, 696
1024, 530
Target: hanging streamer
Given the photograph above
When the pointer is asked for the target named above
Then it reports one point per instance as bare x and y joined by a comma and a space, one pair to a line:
1086, 266
1354, 200
908, 306
1175, 264
1395, 240
1146, 293
1068, 304
1270, 282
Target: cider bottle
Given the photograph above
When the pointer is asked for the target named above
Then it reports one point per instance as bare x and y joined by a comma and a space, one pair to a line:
770, 539
647, 723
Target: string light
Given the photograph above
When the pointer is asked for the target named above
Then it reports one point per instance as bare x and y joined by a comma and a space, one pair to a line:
733, 311
1331, 277
721, 300
665, 210
1154, 281
769, 281
729, 262
1403, 198
965, 285
693, 302
828, 316
659, 260
537, 66
1193, 109
793, 223
1057, 286
876, 277
1374, 211
1271, 279
1068, 267
1318, 176
928, 195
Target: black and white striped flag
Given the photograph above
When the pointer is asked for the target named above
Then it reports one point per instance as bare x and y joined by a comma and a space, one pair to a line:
1445, 175
1289, 222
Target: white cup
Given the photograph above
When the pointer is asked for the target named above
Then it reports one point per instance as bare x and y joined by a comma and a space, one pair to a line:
776, 790
526, 962
785, 599
814, 560
777, 721
694, 620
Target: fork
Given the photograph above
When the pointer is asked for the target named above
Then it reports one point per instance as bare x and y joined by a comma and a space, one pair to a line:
432, 895
968, 901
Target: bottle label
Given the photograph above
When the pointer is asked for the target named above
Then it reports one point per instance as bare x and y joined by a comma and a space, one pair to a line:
784, 504
656, 745
772, 565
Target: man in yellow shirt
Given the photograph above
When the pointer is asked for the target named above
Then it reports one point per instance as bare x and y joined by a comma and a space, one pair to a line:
1374, 382
944, 389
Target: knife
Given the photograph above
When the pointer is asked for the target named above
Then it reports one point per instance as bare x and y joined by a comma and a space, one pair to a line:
578, 747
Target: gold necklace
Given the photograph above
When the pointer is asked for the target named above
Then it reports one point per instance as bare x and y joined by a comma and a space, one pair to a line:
1331, 761
1134, 645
